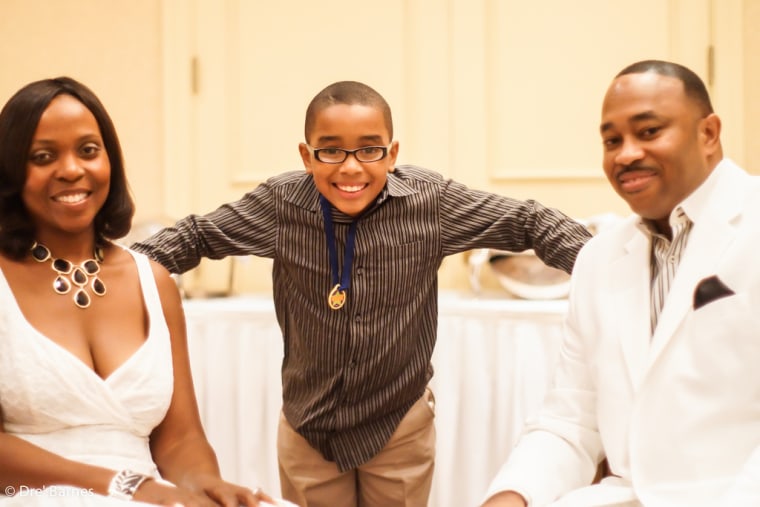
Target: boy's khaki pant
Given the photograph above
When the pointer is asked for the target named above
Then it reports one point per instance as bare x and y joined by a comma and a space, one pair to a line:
399, 476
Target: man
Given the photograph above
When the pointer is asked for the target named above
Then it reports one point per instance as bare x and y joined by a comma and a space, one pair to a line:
660, 367
357, 242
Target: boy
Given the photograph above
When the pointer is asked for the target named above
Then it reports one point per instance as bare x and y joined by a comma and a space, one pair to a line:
357, 243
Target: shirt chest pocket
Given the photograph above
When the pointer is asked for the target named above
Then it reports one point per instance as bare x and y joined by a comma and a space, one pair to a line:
398, 274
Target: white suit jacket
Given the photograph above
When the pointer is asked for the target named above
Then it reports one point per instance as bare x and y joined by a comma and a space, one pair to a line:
678, 413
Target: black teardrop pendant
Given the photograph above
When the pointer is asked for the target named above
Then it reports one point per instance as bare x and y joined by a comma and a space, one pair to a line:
90, 267
98, 287
79, 277
82, 299
62, 266
40, 253
61, 285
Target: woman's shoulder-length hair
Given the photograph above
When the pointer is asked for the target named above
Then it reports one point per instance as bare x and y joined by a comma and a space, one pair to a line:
18, 123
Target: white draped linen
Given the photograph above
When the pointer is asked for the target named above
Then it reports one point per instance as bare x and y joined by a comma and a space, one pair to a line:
493, 362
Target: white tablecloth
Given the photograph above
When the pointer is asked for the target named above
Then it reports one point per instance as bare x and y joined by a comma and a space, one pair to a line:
493, 363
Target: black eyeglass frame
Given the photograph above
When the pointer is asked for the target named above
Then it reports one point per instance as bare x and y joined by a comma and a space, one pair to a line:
316, 151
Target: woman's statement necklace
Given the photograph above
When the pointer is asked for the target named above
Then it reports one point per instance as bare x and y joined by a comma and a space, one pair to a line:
69, 275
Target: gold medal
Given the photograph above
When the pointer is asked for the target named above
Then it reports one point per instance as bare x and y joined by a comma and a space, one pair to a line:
337, 298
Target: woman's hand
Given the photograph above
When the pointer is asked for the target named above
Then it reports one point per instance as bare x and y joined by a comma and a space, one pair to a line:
231, 495
215, 493
201, 490
157, 493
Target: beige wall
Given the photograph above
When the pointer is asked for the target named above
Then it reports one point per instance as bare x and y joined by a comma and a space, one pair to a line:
751, 66
112, 46
123, 51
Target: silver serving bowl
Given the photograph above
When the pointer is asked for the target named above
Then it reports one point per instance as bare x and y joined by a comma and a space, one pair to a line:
525, 276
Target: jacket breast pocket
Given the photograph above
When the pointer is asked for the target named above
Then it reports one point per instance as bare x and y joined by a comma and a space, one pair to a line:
722, 338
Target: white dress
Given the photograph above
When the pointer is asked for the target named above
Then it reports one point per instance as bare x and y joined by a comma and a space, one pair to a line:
50, 398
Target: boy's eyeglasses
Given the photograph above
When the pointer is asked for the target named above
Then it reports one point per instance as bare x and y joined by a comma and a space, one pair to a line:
339, 155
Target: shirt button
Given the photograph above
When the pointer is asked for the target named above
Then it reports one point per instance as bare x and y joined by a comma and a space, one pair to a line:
358, 318
352, 364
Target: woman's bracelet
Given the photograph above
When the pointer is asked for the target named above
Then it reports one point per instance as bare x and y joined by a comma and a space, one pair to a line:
125, 483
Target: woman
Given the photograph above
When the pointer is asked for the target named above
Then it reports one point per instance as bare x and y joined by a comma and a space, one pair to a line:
96, 399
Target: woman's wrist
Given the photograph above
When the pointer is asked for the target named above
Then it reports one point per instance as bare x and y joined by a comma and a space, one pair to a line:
124, 484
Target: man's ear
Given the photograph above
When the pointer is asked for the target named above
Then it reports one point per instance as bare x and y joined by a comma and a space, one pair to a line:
305, 156
709, 133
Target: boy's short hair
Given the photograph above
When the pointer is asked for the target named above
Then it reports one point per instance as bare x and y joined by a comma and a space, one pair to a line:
346, 92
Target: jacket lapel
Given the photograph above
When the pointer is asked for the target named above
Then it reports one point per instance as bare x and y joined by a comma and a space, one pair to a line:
630, 296
711, 236
706, 244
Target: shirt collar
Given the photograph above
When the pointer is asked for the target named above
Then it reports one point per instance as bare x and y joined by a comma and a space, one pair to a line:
394, 187
307, 196
694, 205
397, 187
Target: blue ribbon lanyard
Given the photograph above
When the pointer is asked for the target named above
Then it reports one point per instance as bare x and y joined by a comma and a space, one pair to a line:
340, 282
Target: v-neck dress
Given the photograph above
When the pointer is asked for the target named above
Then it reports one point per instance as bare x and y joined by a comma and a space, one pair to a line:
50, 398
